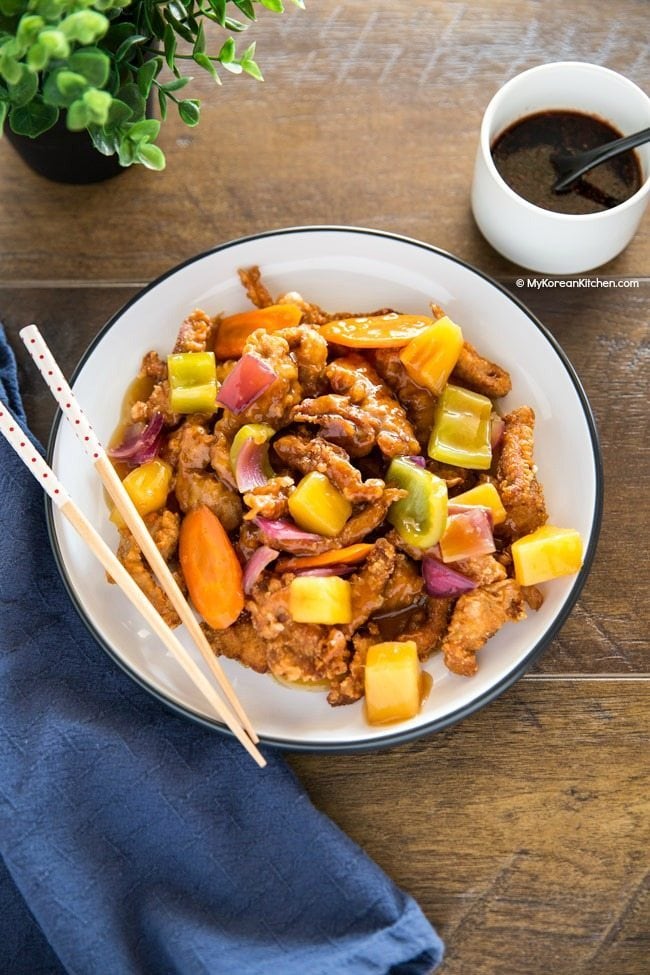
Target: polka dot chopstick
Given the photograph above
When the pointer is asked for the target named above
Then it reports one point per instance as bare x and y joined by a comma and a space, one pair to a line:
51, 373
48, 480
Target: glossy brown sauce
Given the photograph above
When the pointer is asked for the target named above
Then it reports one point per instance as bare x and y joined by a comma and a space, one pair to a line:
522, 155
138, 390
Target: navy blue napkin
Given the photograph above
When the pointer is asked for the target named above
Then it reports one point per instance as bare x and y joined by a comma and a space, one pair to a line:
136, 842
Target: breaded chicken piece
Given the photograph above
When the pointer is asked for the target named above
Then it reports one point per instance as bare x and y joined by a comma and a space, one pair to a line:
270, 500
195, 333
258, 293
479, 374
240, 641
476, 617
164, 527
419, 403
317, 454
521, 492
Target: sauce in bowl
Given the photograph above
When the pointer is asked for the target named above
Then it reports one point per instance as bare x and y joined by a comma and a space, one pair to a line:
522, 156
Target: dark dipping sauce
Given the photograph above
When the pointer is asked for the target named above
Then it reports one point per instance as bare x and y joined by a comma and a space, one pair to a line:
522, 155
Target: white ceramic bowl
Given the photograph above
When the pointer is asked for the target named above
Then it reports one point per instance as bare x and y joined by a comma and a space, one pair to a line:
558, 243
338, 268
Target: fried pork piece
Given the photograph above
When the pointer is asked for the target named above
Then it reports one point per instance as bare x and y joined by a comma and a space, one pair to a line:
271, 500
194, 489
189, 446
257, 292
476, 617
369, 583
164, 527
427, 625
361, 412
309, 349
294, 651
158, 402
358, 526
479, 374
483, 570
307, 455
516, 478
418, 402
349, 687
154, 367
195, 333
240, 641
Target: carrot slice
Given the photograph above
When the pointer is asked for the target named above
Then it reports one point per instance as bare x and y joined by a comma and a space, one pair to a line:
211, 568
339, 556
233, 330
390, 331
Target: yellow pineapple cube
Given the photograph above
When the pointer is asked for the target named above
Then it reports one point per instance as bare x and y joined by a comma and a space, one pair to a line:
317, 506
485, 496
320, 599
430, 357
393, 680
546, 554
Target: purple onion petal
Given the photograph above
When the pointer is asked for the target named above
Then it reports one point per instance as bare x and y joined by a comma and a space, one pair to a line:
248, 380
249, 470
328, 570
142, 445
441, 580
258, 561
282, 529
417, 459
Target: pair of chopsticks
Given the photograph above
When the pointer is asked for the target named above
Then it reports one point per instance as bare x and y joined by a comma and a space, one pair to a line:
232, 713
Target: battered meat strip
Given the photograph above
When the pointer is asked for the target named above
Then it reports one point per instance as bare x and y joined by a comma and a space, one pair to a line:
295, 651
189, 446
309, 349
427, 626
257, 292
476, 617
154, 367
220, 452
270, 500
369, 584
195, 333
195, 488
319, 455
479, 374
343, 423
240, 641
349, 687
482, 570
358, 526
418, 402
163, 526
521, 492
158, 402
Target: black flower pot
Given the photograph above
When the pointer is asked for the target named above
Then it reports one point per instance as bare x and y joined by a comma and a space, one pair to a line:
64, 156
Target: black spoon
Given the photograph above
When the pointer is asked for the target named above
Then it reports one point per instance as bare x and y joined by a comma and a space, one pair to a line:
572, 165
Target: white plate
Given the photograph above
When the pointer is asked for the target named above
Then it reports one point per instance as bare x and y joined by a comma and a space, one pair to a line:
359, 270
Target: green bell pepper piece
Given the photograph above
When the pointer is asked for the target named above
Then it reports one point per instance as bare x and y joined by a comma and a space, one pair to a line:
461, 429
193, 382
421, 516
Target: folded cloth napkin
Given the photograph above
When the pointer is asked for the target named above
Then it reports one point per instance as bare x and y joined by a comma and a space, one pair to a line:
137, 842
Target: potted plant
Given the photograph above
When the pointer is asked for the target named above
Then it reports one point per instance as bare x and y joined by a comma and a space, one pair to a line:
87, 70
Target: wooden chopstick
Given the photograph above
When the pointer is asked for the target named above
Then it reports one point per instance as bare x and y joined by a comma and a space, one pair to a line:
54, 488
73, 413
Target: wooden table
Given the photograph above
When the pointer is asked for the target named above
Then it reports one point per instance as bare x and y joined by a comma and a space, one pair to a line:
523, 832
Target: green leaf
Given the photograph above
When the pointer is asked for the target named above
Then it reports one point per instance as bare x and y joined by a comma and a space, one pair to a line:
10, 69
204, 62
175, 84
104, 141
29, 26
55, 43
131, 96
151, 156
227, 52
4, 108
93, 64
37, 57
146, 74
126, 152
199, 43
127, 45
189, 111
246, 8
98, 104
275, 5
71, 85
85, 26
162, 104
118, 113
234, 25
299, 3
169, 42
25, 89
145, 131
11, 7
78, 116
252, 68
234, 67
219, 7
33, 119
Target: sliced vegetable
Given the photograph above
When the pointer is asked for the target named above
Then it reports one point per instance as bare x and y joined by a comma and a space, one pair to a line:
235, 329
258, 561
546, 553
393, 681
249, 456
461, 429
441, 580
420, 517
430, 357
416, 459
339, 556
211, 568
193, 382
283, 530
390, 331
497, 426
468, 535
318, 600
148, 485
327, 570
248, 380
317, 506
485, 496
142, 442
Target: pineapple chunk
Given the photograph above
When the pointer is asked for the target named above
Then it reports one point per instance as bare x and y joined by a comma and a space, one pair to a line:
430, 357
393, 680
546, 554
320, 599
317, 506
486, 496
148, 485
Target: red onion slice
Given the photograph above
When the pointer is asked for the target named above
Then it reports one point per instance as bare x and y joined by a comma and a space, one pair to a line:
416, 459
328, 570
283, 530
441, 580
249, 467
143, 444
258, 561
249, 379
497, 426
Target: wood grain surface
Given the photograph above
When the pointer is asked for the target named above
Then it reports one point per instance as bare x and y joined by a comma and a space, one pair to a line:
524, 831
